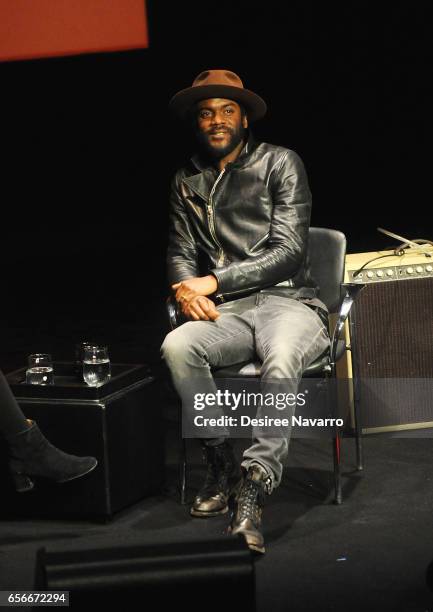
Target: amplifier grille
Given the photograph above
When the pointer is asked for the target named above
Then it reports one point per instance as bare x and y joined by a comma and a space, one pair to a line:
391, 329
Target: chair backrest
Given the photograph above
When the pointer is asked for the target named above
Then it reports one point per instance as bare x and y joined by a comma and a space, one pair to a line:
327, 253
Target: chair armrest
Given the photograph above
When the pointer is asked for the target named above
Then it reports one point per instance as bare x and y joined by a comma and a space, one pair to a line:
351, 292
172, 312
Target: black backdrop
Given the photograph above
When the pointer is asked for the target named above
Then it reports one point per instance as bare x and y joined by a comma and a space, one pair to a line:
89, 146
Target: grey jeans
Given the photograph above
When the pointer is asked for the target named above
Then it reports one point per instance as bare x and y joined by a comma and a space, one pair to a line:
285, 334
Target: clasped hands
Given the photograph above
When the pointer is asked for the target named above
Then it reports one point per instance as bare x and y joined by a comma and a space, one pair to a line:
191, 296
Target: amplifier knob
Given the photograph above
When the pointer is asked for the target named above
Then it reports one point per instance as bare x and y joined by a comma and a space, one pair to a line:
419, 269
379, 273
390, 272
429, 268
370, 274
409, 270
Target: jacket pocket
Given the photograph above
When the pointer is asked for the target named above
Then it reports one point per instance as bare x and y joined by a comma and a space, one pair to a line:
259, 243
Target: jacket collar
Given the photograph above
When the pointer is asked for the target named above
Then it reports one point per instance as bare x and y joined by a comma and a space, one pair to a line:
202, 183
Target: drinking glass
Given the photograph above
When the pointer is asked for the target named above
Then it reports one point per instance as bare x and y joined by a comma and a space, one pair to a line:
40, 370
96, 365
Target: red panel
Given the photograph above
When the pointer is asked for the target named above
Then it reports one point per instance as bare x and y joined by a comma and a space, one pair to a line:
45, 28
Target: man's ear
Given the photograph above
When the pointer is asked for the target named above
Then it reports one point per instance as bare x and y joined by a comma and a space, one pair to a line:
245, 121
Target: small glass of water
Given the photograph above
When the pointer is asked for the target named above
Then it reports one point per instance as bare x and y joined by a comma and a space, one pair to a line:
96, 365
40, 370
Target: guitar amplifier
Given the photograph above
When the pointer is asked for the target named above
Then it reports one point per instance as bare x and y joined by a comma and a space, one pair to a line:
390, 333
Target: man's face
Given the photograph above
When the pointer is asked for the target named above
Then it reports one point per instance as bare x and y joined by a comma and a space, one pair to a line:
220, 126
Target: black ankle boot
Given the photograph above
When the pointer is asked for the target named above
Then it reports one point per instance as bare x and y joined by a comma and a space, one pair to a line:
31, 455
222, 473
249, 502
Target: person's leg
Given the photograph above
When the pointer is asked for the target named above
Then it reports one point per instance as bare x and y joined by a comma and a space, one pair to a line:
190, 351
12, 419
30, 453
289, 336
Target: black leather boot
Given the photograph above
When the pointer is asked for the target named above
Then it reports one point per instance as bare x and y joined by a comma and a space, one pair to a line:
249, 502
31, 455
222, 473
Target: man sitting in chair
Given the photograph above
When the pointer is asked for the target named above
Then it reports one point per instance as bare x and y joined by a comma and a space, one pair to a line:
237, 264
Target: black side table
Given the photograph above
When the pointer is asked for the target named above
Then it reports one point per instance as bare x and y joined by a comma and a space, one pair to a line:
119, 423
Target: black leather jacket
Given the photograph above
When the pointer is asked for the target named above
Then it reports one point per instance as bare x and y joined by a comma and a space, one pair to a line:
248, 225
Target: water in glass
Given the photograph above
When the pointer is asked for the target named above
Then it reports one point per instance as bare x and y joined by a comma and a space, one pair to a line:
40, 375
96, 371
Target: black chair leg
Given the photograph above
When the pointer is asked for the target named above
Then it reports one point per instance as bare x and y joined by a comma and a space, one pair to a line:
337, 470
183, 470
358, 438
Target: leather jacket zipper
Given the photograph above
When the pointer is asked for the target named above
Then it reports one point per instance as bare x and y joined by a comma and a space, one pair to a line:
211, 220
260, 242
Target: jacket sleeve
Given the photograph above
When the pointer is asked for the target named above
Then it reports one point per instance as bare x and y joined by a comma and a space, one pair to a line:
182, 249
287, 238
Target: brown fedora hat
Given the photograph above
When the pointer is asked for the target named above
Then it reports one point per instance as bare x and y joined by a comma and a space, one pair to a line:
218, 84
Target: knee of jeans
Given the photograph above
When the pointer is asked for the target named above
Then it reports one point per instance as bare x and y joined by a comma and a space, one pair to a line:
172, 348
176, 348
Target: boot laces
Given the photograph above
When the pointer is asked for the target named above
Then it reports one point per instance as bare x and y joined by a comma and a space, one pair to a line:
248, 508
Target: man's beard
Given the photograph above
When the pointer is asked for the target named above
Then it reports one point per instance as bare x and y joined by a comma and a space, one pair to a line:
236, 136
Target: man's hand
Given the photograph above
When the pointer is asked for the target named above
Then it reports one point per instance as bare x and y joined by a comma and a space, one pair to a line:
192, 287
200, 308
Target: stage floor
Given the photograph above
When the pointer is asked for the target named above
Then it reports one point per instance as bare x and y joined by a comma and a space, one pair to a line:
371, 553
